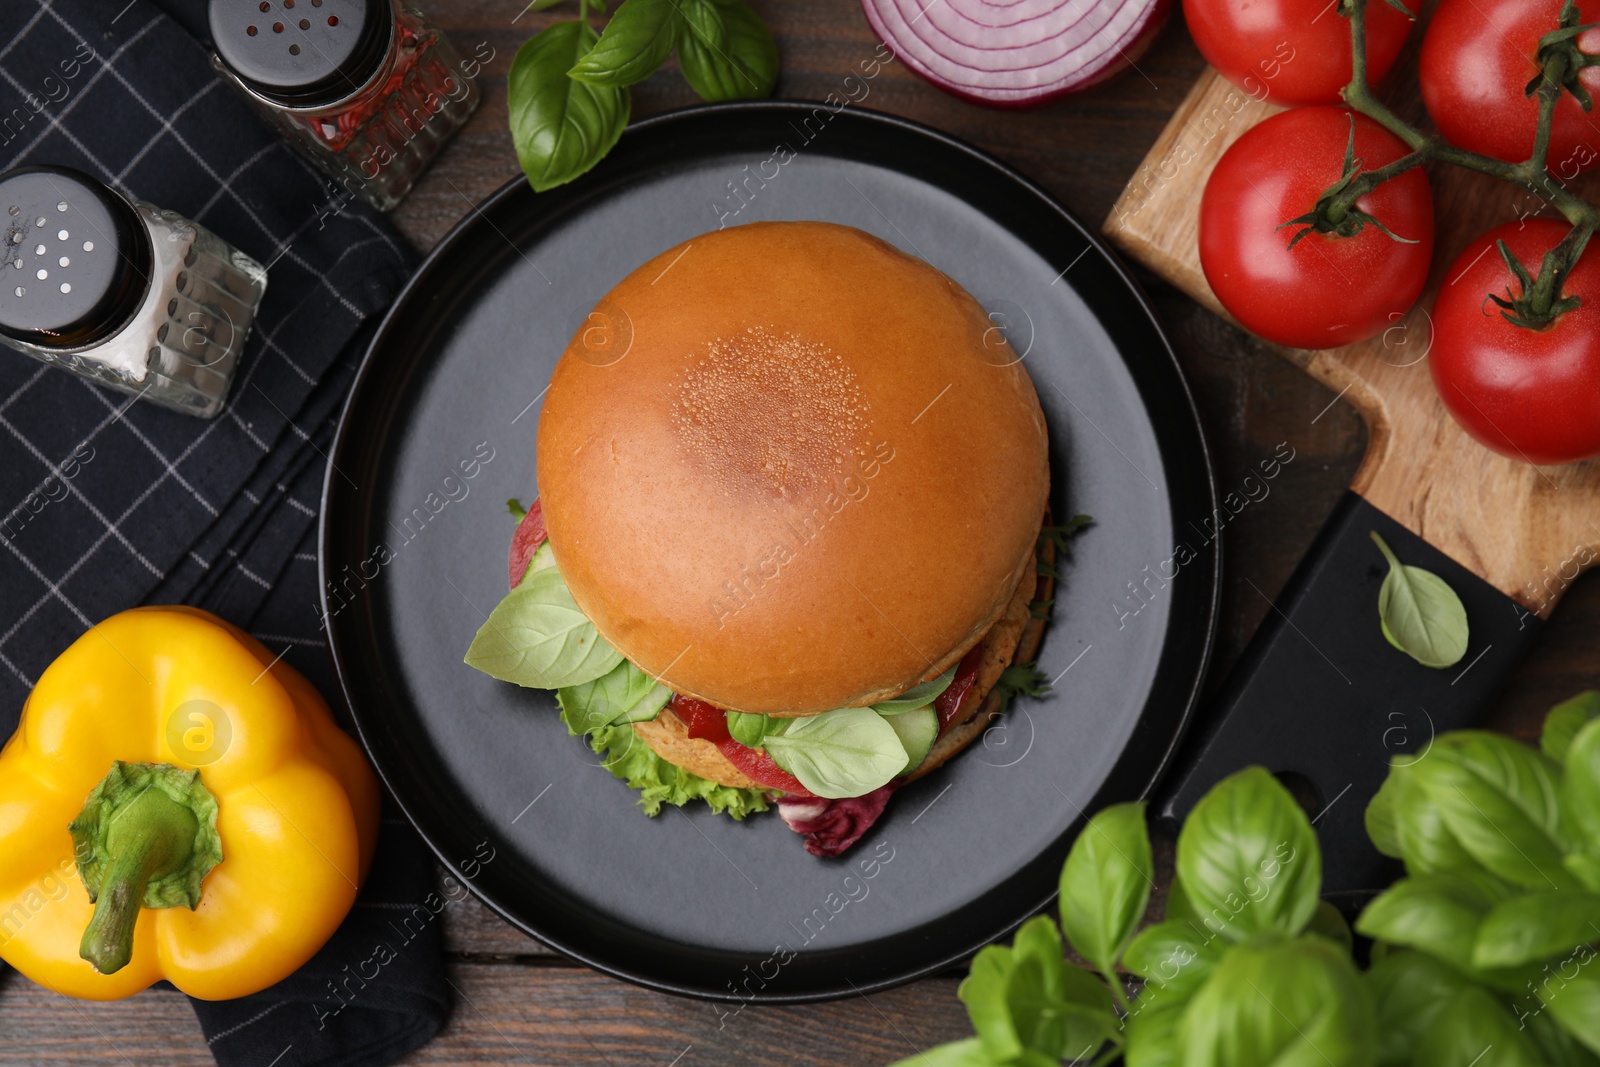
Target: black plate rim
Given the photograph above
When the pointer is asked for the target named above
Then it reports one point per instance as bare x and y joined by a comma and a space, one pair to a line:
1211, 552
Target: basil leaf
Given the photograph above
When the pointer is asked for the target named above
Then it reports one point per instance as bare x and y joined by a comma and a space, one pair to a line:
1328, 922
1039, 939
1499, 799
1249, 859
1409, 989
1437, 913
844, 753
1471, 1023
1075, 1015
918, 696
1281, 1002
1153, 1031
1036, 991
1580, 806
1580, 790
747, 729
1028, 1005
1172, 956
1105, 885
968, 1053
637, 40
1563, 722
560, 127
538, 637
1585, 867
726, 51
1557, 1048
985, 993
1383, 817
1404, 823
1089, 1019
1420, 614
1535, 927
622, 695
1179, 908
1575, 1003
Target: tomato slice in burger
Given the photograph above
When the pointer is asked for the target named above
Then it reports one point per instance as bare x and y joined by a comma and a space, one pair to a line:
526, 541
710, 723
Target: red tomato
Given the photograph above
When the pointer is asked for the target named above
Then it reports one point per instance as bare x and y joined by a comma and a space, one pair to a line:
1478, 56
1293, 51
710, 723
1326, 290
525, 542
1530, 394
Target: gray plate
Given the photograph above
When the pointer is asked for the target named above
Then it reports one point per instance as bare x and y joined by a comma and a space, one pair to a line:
692, 902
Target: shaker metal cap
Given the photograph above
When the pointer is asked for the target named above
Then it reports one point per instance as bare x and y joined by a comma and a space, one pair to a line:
302, 52
76, 258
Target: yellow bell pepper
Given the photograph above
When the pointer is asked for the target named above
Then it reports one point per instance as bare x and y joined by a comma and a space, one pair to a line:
223, 822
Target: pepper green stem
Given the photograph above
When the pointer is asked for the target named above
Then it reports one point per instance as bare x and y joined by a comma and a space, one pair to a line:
146, 838
152, 837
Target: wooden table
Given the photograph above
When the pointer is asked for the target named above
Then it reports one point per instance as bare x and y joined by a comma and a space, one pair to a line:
519, 1003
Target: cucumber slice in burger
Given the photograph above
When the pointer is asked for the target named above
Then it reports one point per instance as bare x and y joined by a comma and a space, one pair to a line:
918, 730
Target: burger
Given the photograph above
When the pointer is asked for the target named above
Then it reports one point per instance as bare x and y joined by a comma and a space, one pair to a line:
790, 545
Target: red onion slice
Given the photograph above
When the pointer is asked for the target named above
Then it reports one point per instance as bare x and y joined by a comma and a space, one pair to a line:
1018, 53
830, 827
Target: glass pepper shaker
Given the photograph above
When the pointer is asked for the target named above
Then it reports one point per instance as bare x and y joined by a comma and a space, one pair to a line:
121, 292
367, 89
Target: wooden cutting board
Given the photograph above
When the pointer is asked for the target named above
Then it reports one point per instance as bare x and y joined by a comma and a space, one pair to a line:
1527, 530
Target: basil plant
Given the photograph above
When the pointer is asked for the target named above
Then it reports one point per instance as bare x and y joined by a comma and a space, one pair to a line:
1483, 955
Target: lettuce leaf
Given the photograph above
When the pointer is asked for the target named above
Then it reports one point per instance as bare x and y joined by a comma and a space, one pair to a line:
660, 782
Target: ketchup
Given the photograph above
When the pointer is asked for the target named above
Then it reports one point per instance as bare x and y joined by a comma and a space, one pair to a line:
709, 723
949, 701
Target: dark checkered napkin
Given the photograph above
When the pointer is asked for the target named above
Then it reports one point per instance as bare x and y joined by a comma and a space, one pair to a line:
106, 503
146, 112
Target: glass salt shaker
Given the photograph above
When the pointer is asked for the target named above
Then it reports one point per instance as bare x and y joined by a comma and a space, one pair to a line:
367, 89
121, 292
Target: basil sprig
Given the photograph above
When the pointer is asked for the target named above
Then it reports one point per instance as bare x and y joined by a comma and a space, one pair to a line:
1218, 989
1500, 907
1485, 952
1420, 614
568, 91
539, 637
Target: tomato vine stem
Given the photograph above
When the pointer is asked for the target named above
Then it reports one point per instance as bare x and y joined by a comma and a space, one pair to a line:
1540, 302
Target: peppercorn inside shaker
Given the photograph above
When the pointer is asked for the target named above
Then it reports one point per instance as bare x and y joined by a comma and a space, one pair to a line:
120, 292
367, 89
